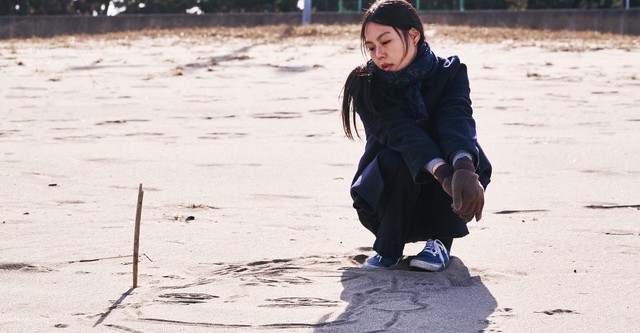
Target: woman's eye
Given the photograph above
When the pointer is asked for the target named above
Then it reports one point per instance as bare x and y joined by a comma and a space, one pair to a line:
371, 49
386, 42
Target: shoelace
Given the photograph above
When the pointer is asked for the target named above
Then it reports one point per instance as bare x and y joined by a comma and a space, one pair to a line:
435, 247
379, 258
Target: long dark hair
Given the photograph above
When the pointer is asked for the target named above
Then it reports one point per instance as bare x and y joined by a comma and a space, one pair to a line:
357, 94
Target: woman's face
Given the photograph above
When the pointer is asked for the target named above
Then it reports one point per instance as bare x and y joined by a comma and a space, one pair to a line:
387, 48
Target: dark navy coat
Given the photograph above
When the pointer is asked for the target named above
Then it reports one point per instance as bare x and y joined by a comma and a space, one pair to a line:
449, 127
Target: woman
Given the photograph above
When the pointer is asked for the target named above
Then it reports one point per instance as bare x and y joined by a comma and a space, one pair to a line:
422, 175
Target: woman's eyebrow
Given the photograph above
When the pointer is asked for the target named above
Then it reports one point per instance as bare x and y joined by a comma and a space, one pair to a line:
379, 36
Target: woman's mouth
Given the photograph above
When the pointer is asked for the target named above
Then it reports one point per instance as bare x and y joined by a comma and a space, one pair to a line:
387, 67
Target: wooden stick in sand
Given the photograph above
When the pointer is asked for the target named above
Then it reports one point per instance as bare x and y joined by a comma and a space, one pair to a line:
136, 237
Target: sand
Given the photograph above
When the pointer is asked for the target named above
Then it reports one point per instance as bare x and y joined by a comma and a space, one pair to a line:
247, 223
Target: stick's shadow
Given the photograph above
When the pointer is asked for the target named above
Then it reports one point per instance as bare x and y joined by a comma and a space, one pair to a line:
401, 300
113, 306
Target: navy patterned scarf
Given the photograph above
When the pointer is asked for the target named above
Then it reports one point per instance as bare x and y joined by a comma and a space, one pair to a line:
409, 80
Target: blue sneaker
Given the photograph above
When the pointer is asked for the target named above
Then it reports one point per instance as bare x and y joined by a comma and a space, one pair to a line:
433, 258
378, 261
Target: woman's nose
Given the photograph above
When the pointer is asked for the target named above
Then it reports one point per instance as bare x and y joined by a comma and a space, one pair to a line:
379, 52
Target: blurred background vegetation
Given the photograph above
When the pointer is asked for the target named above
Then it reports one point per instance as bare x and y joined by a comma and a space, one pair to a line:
123, 7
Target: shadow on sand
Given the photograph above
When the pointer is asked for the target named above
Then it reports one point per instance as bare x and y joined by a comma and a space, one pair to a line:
401, 300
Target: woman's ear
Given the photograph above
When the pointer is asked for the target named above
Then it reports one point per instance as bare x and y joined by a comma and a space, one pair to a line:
414, 35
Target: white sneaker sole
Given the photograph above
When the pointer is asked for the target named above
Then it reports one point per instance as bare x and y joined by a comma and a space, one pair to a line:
425, 265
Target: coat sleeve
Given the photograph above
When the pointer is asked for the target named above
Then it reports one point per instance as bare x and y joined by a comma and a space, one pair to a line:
398, 131
453, 113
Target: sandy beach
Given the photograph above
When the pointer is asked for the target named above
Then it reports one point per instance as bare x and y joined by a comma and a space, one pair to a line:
247, 222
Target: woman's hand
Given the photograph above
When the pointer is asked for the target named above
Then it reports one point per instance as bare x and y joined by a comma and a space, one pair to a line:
468, 194
444, 174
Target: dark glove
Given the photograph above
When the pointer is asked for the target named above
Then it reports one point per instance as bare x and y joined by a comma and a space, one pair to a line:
443, 175
468, 194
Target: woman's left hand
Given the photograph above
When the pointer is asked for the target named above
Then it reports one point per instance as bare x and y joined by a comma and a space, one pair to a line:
468, 194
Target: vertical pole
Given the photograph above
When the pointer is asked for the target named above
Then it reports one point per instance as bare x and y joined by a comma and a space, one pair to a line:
359, 6
340, 6
306, 12
462, 5
626, 5
136, 237
418, 4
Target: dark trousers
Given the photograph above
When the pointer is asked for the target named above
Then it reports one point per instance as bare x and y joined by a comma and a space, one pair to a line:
409, 212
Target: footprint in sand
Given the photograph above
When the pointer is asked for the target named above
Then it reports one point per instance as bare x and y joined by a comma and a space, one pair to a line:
277, 115
284, 302
557, 311
186, 298
120, 121
223, 135
24, 267
323, 111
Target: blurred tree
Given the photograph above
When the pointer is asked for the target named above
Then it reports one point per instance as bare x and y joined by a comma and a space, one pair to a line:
14, 7
516, 4
5, 7
580, 4
485, 4
47, 7
99, 7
